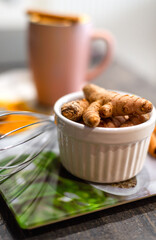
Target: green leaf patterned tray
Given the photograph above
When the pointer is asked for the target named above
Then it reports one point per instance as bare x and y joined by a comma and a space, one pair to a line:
45, 192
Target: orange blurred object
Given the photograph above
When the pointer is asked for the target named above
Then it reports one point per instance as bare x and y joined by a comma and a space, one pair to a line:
152, 145
11, 122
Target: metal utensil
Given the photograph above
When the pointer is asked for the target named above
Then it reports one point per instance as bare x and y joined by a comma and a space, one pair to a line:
21, 145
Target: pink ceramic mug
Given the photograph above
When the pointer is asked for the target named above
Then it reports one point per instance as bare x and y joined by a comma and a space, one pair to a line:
59, 55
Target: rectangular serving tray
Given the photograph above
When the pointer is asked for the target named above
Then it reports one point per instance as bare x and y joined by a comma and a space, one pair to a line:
45, 193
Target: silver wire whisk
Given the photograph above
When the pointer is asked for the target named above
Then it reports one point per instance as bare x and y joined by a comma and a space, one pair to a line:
21, 145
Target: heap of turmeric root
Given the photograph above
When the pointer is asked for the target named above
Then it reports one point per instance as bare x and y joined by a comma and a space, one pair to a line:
103, 108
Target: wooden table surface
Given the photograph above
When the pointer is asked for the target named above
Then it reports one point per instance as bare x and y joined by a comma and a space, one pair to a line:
135, 220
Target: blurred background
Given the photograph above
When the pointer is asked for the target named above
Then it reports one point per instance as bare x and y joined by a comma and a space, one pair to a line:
132, 23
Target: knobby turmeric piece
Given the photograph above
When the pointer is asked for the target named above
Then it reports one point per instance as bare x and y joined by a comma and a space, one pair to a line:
106, 110
73, 110
125, 105
116, 104
113, 122
123, 121
119, 120
93, 93
135, 120
108, 123
91, 115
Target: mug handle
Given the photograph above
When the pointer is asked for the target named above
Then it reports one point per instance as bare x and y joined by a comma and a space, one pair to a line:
109, 40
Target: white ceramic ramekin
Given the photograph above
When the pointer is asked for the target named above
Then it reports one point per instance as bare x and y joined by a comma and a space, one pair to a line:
103, 155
